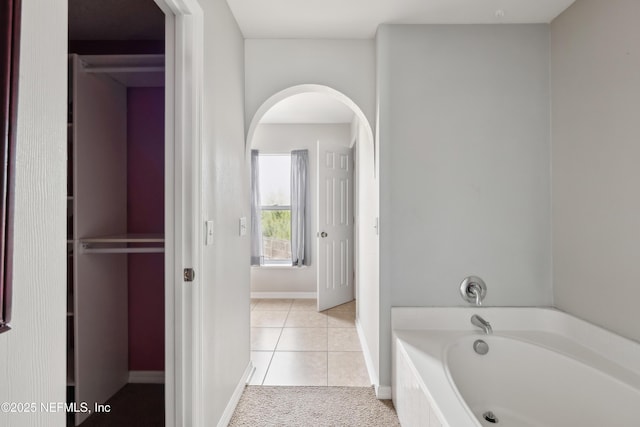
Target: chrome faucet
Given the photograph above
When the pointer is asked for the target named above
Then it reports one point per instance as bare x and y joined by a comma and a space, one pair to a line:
481, 323
473, 290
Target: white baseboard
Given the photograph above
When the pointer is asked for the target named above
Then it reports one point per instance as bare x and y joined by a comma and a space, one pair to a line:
253, 371
146, 377
383, 392
235, 397
368, 361
288, 295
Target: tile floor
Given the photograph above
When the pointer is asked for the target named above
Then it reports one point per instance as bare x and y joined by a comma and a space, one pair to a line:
293, 344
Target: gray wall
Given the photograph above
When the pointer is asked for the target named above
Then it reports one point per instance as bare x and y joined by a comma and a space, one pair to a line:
33, 354
225, 186
465, 165
347, 66
595, 75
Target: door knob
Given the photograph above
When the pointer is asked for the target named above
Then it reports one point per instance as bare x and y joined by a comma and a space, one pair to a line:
323, 234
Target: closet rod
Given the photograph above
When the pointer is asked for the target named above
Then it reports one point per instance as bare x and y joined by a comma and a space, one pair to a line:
124, 69
90, 250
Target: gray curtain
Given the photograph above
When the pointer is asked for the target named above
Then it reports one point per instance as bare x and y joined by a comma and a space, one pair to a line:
256, 228
300, 208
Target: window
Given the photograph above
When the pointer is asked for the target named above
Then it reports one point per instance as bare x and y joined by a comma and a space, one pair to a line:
275, 208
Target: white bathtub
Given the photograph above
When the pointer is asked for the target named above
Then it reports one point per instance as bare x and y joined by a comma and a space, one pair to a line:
543, 368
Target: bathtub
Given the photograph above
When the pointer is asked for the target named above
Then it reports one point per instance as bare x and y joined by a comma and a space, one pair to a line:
543, 368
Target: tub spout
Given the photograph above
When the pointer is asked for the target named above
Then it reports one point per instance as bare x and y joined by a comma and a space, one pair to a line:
481, 323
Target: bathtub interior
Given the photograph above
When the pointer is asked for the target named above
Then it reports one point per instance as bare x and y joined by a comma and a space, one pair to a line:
525, 384
543, 368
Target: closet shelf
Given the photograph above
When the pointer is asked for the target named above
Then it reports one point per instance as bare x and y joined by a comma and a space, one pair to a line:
119, 244
128, 70
126, 238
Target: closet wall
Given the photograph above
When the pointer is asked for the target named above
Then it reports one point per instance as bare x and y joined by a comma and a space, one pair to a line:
145, 203
116, 205
145, 214
97, 351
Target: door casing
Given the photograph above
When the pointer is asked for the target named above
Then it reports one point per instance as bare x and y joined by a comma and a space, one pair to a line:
183, 172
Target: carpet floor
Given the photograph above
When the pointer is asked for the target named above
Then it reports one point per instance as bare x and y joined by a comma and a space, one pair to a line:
313, 406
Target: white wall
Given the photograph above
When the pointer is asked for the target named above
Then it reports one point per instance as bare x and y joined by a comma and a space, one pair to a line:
33, 353
347, 66
40, 292
226, 199
282, 138
596, 222
367, 250
465, 165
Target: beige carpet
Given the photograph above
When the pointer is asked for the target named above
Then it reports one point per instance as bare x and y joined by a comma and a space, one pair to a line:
313, 406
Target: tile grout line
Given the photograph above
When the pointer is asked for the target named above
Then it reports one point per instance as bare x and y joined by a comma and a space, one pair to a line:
326, 327
273, 354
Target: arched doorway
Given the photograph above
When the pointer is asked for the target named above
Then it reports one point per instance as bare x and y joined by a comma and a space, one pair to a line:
365, 212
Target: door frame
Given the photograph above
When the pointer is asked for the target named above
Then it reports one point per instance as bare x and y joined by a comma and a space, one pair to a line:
363, 136
184, 47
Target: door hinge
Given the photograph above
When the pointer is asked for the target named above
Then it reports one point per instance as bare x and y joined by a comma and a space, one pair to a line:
189, 274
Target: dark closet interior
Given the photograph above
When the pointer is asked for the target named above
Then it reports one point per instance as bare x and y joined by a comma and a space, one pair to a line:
115, 246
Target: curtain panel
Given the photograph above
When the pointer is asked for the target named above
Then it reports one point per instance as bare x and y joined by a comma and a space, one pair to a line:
300, 209
256, 227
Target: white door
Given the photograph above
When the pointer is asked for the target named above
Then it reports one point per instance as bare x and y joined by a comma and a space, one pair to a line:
335, 226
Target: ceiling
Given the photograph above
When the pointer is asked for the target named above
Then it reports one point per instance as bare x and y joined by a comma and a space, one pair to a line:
309, 108
143, 20
360, 18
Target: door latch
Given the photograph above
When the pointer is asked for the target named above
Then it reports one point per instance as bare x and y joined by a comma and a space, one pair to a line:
189, 274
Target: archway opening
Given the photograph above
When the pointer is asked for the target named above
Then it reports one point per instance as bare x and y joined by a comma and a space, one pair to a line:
314, 117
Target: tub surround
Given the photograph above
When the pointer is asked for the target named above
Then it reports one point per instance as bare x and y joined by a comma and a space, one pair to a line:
427, 344
463, 123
